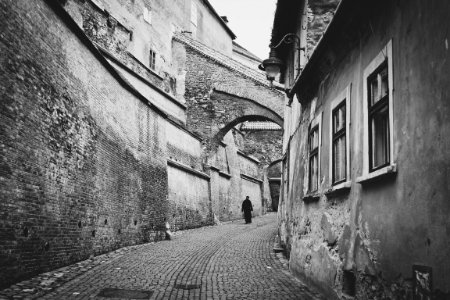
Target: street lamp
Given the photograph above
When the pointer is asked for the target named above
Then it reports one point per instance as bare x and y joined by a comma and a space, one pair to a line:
273, 64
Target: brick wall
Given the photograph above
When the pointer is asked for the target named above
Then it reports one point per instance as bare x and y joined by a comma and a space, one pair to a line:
83, 158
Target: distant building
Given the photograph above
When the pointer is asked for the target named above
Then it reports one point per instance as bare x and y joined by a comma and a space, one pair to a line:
364, 208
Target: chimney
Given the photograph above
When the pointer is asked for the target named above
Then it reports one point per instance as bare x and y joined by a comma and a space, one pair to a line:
225, 19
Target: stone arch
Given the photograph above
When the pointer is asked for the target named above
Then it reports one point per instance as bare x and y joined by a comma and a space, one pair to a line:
231, 110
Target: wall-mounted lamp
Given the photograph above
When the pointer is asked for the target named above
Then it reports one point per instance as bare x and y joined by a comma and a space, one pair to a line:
273, 64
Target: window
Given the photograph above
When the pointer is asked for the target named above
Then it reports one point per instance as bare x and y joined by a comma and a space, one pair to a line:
314, 155
339, 139
378, 116
313, 159
147, 14
152, 60
378, 113
339, 145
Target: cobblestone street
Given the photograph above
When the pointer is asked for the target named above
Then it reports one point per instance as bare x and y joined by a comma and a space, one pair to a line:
230, 261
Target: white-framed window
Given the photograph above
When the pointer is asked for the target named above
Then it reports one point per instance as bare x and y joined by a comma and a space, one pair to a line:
339, 138
378, 115
152, 60
147, 14
314, 145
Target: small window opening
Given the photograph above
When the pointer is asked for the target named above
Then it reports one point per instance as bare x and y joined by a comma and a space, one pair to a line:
349, 283
152, 60
25, 232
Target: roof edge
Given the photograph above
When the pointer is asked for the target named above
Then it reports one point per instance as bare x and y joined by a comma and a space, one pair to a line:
221, 21
320, 46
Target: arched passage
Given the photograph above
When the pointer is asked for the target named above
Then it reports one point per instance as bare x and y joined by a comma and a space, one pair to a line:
230, 110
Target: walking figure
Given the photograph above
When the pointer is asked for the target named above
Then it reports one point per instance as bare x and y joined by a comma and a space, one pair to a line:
247, 208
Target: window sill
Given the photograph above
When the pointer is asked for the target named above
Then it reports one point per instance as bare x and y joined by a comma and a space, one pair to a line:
341, 188
310, 197
378, 174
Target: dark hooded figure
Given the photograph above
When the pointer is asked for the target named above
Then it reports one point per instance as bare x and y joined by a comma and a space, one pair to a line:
247, 208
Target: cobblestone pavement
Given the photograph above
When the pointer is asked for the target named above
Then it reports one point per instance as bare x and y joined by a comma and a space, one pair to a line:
229, 261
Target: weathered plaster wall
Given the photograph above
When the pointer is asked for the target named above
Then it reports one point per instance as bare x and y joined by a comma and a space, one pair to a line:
83, 158
188, 185
183, 146
119, 27
378, 231
237, 177
188, 198
252, 189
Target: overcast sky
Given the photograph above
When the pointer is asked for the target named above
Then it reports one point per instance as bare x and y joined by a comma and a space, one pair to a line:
251, 21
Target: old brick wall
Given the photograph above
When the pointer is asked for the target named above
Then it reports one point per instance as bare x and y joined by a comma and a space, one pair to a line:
83, 159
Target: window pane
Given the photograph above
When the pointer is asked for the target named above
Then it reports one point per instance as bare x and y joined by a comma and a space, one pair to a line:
380, 137
339, 119
339, 159
313, 173
314, 139
373, 85
384, 82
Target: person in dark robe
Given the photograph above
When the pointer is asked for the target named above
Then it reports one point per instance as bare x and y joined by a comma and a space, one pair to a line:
247, 208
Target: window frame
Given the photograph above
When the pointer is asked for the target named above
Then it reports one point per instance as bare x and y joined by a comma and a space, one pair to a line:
383, 57
315, 123
342, 99
372, 110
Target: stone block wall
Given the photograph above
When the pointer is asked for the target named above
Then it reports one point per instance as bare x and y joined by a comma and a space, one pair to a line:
320, 13
83, 157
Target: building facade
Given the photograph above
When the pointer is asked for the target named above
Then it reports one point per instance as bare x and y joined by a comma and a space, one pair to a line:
364, 203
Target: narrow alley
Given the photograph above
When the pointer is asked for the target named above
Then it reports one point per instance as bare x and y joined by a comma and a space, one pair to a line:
131, 131
229, 261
